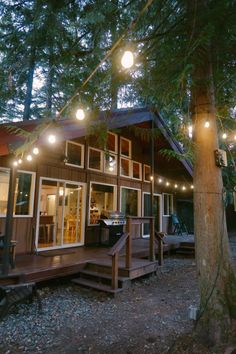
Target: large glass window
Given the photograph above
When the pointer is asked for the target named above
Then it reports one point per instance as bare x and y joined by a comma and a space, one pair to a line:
146, 173
112, 142
136, 171
167, 204
24, 192
130, 201
4, 185
125, 169
74, 154
110, 163
125, 147
95, 159
147, 212
61, 210
102, 198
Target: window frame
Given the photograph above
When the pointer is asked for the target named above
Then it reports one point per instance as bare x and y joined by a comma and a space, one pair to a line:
101, 159
114, 197
130, 167
170, 206
116, 142
130, 147
140, 170
145, 180
114, 173
32, 195
139, 198
82, 154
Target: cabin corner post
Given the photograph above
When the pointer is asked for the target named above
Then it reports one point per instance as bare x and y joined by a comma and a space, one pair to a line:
128, 262
9, 222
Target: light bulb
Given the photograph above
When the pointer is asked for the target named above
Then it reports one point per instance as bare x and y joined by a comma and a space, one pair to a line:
224, 135
127, 59
190, 131
167, 184
80, 115
51, 139
15, 163
35, 151
207, 124
151, 178
192, 186
20, 161
159, 180
183, 188
61, 192
29, 158
176, 185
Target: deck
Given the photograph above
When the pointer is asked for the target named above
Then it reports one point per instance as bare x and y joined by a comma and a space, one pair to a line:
58, 263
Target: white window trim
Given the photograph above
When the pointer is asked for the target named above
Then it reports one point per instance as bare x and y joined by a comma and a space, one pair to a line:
140, 170
32, 194
161, 208
82, 154
130, 147
114, 197
116, 143
114, 173
101, 160
148, 181
170, 207
84, 185
130, 167
139, 197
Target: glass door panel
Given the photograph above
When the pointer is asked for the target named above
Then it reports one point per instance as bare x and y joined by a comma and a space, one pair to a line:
71, 217
147, 212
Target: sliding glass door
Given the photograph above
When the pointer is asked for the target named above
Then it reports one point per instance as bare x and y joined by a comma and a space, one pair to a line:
61, 213
156, 212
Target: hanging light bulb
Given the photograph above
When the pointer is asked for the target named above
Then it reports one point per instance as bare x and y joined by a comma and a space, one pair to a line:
80, 115
190, 131
35, 151
52, 139
127, 59
176, 185
151, 178
183, 188
167, 184
159, 180
207, 124
29, 158
192, 186
224, 135
19, 161
235, 137
15, 163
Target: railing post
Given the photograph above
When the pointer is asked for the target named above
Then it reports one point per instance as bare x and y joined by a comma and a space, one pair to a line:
128, 260
152, 240
114, 281
160, 251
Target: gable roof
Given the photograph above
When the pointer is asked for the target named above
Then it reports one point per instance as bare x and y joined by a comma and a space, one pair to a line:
71, 129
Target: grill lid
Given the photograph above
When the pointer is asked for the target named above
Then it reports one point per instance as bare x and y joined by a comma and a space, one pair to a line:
110, 214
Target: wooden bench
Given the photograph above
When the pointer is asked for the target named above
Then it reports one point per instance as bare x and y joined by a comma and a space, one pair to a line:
12, 250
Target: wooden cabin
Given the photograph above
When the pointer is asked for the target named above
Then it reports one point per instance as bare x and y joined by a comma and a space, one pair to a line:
63, 192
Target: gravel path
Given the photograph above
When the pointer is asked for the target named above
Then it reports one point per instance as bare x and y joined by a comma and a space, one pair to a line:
149, 317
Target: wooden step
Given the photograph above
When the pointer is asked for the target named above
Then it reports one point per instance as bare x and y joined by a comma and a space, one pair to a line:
94, 285
102, 277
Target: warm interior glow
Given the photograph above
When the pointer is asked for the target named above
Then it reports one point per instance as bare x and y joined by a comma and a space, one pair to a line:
80, 115
127, 59
51, 139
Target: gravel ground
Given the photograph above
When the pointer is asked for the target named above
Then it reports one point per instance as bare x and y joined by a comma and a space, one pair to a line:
149, 317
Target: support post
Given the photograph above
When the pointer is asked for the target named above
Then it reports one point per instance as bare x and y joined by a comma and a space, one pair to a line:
114, 271
152, 240
129, 244
9, 222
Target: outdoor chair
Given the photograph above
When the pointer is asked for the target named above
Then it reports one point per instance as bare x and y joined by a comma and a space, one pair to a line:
179, 226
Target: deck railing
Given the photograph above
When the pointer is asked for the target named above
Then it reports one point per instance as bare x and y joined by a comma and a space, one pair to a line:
114, 253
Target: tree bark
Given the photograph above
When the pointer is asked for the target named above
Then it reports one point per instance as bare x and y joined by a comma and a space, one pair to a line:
29, 85
216, 273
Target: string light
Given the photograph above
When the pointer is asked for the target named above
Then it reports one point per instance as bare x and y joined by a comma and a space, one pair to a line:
15, 163
207, 124
19, 161
35, 151
151, 178
159, 180
176, 186
224, 135
127, 59
167, 184
80, 114
52, 139
192, 186
184, 188
29, 158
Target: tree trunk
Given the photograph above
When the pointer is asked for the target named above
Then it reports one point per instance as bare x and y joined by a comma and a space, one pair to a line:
29, 85
216, 274
50, 81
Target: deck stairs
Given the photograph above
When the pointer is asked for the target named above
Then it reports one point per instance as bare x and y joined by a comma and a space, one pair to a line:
98, 275
186, 249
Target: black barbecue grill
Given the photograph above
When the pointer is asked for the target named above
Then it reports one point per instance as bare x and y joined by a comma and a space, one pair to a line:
111, 227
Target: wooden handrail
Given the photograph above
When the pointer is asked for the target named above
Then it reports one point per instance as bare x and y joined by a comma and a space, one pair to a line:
114, 253
118, 245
